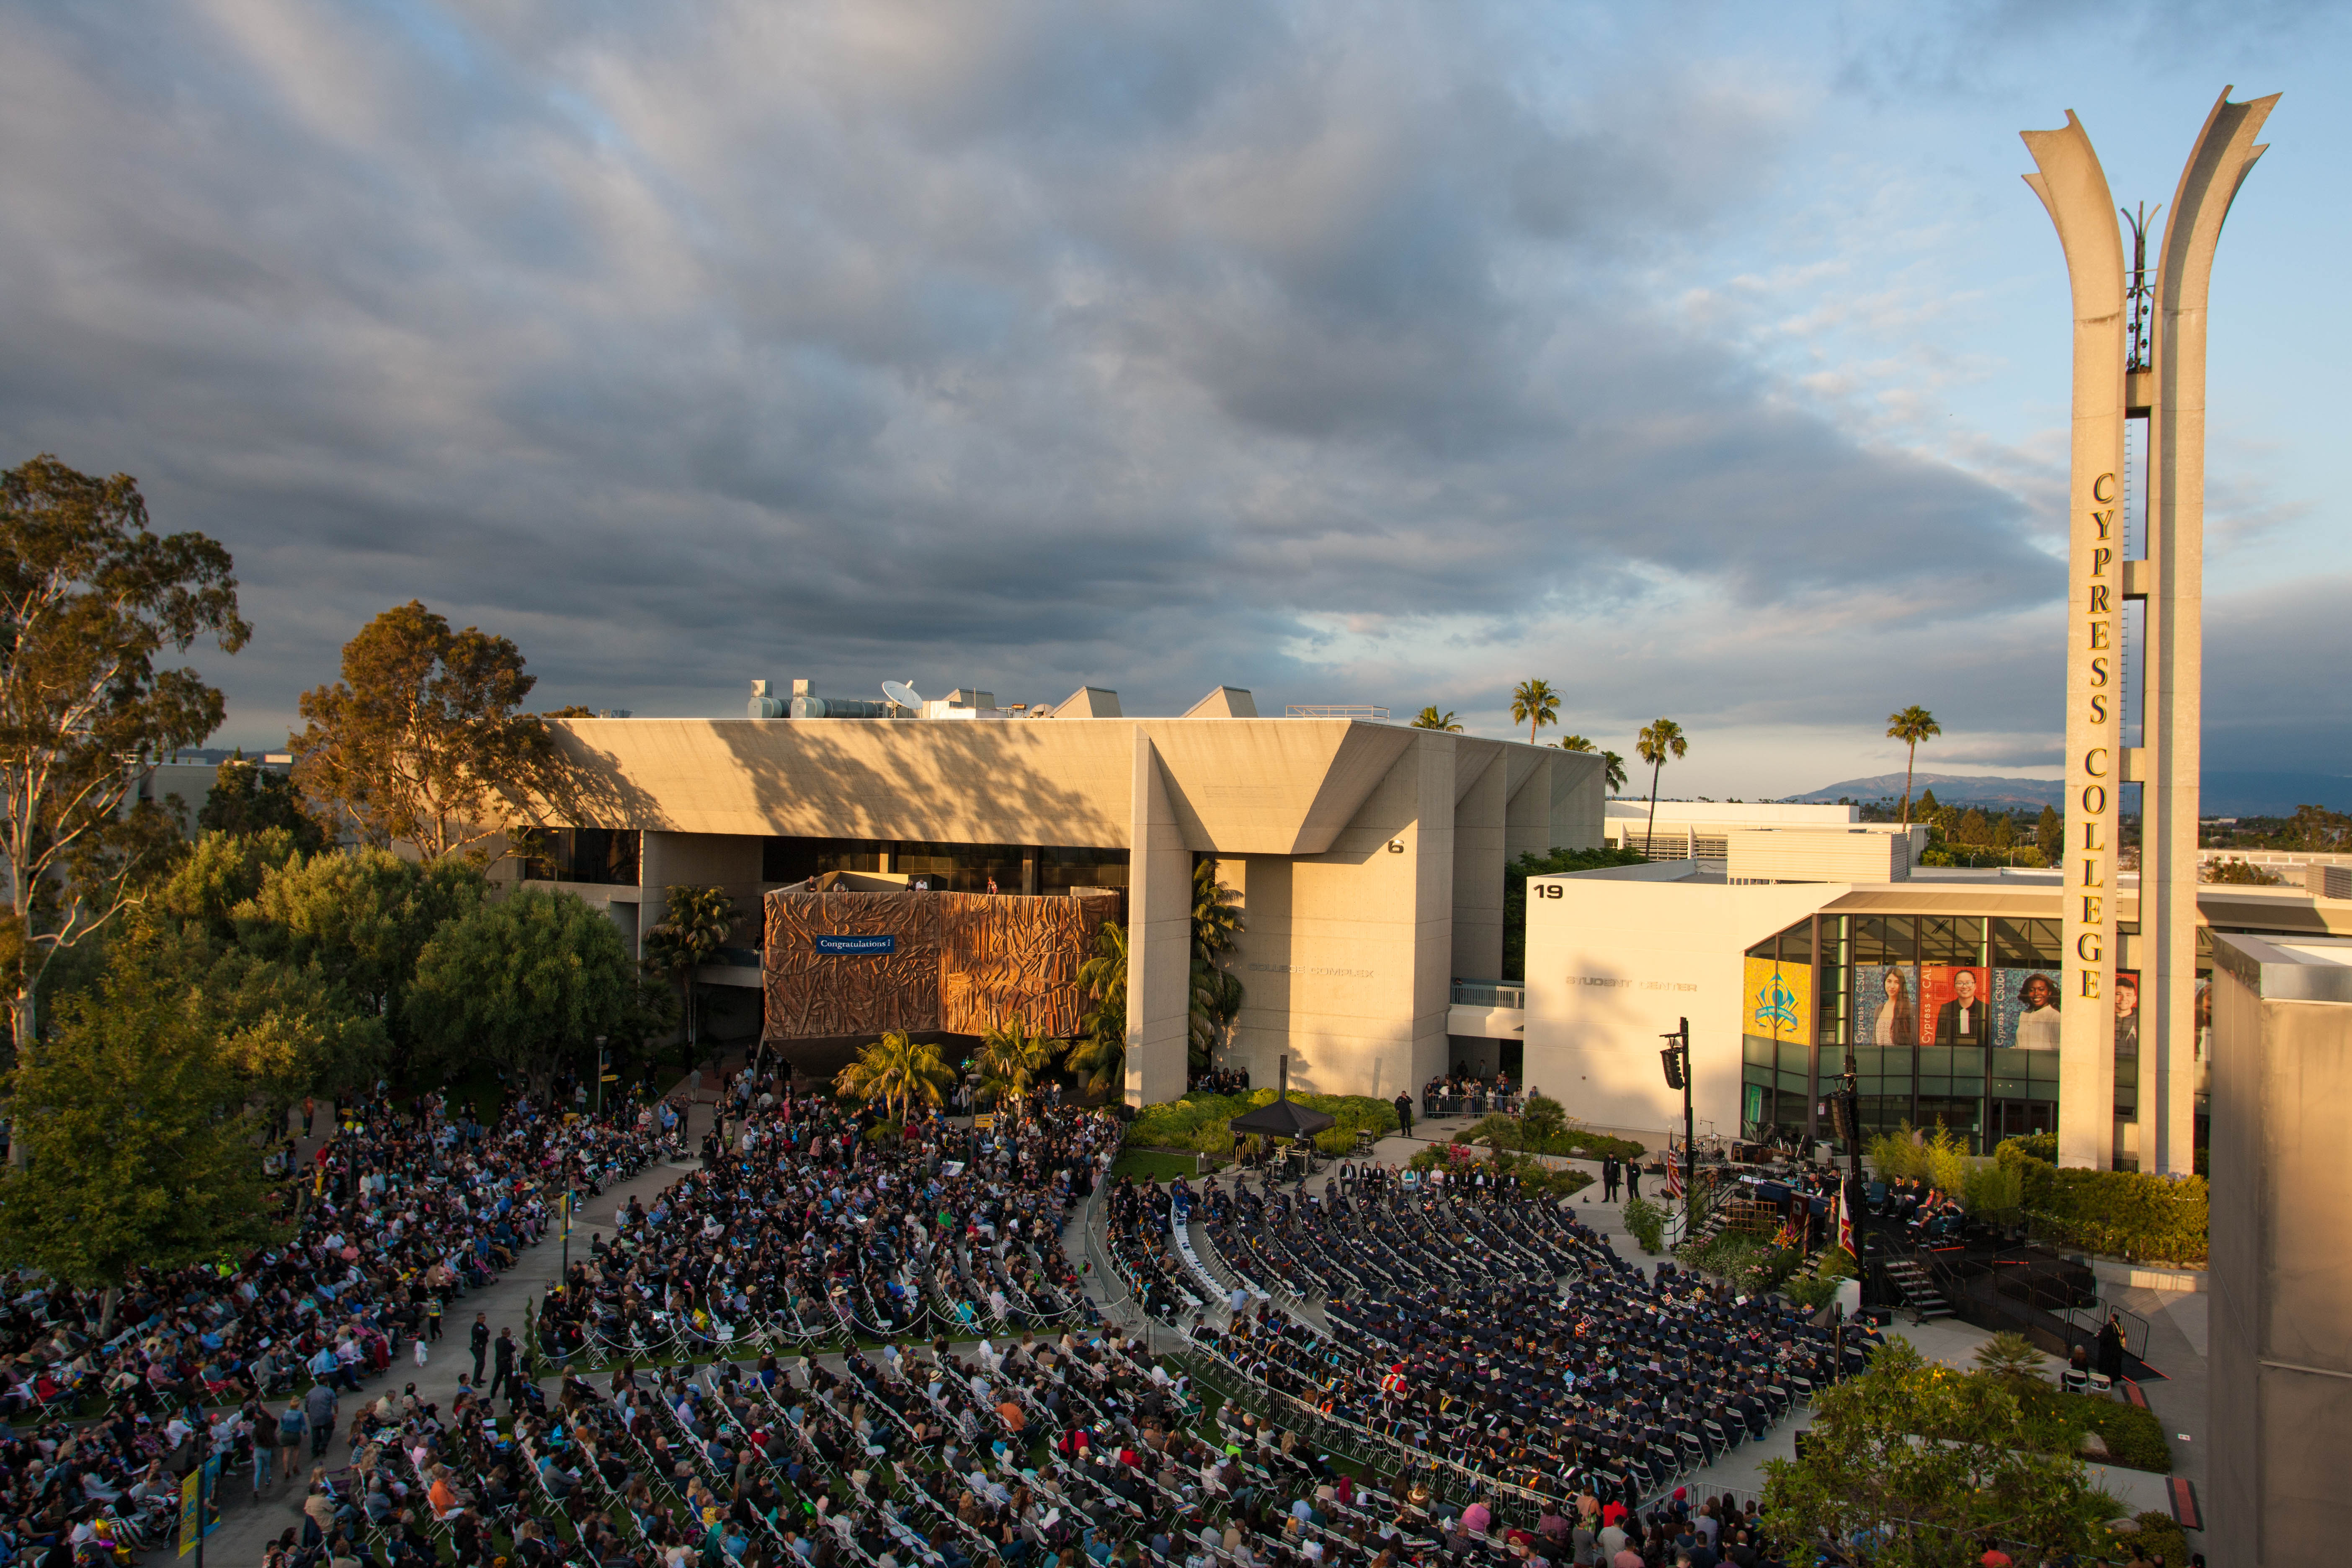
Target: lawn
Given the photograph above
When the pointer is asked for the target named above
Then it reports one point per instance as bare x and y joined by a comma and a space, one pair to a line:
1144, 1164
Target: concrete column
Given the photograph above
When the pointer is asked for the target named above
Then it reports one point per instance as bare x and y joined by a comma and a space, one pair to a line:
2074, 187
2173, 718
1527, 818
1479, 800
1159, 935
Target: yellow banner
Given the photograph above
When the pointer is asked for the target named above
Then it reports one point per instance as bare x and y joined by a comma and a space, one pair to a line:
1778, 1004
188, 1511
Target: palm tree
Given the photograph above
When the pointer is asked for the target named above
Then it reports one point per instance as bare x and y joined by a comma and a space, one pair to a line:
897, 1071
1102, 1054
1657, 741
695, 926
1431, 718
1216, 990
1011, 1056
1536, 704
1612, 766
1911, 726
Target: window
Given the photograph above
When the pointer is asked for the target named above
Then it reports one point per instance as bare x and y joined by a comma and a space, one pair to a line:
1886, 939
605, 857
1951, 939
2027, 944
1062, 866
798, 859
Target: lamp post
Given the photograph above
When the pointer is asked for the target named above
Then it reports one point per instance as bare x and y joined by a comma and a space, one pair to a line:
1676, 1057
600, 1076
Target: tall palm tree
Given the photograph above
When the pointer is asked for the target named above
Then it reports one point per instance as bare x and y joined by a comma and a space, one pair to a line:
1612, 766
1102, 1054
1430, 717
1658, 741
897, 1071
1216, 990
1011, 1056
1911, 725
1535, 704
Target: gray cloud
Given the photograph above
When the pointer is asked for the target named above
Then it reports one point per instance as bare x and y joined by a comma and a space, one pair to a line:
1021, 343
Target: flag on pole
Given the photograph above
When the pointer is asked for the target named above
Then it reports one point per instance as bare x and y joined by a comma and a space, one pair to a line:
1673, 1175
1844, 1219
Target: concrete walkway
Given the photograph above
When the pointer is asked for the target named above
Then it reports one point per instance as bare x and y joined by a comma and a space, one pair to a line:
247, 1525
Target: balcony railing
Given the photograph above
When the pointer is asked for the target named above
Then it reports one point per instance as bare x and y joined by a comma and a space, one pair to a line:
1489, 993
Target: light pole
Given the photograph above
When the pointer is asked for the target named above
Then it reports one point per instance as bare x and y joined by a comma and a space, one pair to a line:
600, 1076
1676, 1057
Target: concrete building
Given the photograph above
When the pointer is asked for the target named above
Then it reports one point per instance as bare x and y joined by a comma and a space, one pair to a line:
180, 784
1780, 976
2282, 1250
1369, 857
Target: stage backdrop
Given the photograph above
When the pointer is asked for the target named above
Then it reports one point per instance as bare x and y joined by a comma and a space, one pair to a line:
860, 963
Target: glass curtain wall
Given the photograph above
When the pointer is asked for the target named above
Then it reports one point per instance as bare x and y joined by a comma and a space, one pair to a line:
1951, 1020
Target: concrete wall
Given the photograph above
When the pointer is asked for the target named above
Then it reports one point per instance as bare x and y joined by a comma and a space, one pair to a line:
2282, 1255
1617, 959
1369, 857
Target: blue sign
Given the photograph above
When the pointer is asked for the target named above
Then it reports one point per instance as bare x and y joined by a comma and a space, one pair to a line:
857, 944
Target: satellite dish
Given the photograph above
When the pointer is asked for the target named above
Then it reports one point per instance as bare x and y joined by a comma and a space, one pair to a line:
904, 694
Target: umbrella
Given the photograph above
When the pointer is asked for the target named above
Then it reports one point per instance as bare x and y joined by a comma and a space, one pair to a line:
1283, 1119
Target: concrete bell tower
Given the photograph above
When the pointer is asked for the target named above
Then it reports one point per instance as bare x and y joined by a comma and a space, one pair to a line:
2139, 354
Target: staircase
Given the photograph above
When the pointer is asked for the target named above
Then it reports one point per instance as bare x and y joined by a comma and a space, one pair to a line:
1916, 1286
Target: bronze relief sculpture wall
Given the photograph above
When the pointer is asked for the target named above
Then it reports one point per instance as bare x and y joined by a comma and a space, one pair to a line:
963, 963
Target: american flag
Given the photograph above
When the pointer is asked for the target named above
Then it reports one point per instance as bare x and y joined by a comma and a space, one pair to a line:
1674, 1176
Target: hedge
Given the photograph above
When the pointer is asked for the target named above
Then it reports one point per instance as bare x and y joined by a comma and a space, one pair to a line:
1198, 1120
2130, 1214
1574, 1140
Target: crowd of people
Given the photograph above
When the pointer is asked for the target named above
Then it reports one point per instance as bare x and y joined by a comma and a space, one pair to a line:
1489, 1325
802, 1228
400, 1213
1530, 1385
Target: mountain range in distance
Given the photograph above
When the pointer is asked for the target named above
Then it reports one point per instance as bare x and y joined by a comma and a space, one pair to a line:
2219, 794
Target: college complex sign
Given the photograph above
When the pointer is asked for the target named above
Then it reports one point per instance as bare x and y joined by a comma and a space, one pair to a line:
2139, 352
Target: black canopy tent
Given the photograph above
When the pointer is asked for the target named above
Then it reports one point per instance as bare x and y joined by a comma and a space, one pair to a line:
1284, 1118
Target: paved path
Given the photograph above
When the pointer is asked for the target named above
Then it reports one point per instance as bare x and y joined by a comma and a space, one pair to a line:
247, 1525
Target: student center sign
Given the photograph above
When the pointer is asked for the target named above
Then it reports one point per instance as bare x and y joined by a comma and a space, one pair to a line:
2071, 1001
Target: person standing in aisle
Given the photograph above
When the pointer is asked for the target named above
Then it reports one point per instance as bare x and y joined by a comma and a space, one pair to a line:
480, 1338
505, 1376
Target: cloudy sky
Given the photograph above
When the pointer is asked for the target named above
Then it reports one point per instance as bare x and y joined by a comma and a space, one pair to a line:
1707, 360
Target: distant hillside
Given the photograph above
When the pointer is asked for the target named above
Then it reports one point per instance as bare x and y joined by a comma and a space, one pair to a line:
1951, 789
2221, 794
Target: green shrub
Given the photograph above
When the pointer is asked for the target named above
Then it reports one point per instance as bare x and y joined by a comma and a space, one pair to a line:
1993, 1191
2041, 1146
1198, 1120
2134, 1437
1647, 1221
1571, 1137
2154, 1537
1895, 1157
1544, 1117
2128, 1214
1811, 1294
1728, 1254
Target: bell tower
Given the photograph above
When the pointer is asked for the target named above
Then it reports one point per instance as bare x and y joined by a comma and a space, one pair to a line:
2139, 355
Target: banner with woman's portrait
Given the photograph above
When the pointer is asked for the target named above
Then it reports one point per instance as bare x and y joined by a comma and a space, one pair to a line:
2025, 1010
1887, 1005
